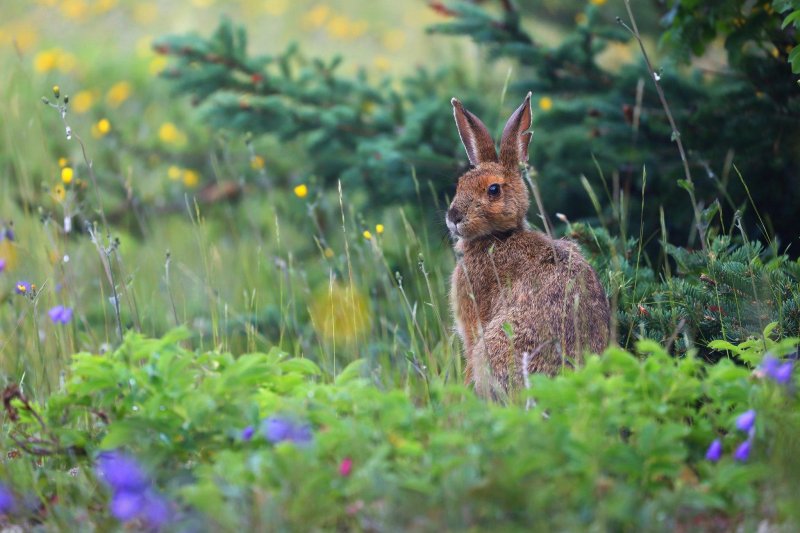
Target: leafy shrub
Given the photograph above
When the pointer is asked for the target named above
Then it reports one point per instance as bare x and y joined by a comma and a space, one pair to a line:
728, 293
618, 444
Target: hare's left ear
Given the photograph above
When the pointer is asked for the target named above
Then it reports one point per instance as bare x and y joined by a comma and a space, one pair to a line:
516, 137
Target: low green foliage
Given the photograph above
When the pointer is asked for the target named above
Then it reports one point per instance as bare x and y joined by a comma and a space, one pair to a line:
733, 291
619, 443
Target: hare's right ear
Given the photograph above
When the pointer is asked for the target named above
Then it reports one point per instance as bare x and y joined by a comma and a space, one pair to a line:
474, 135
517, 136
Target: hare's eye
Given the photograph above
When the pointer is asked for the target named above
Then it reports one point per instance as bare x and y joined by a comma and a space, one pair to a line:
494, 189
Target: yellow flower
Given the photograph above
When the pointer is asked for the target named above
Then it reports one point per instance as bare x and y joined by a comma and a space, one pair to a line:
368, 107
56, 91
145, 12
379, 229
382, 63
367, 235
276, 8
62, 162
103, 6
82, 102
144, 46
394, 40
158, 64
46, 60
190, 178
59, 193
257, 162
103, 126
545, 103
597, 2
339, 312
174, 173
301, 191
317, 16
24, 36
74, 9
357, 29
328, 253
66, 175
339, 27
169, 133
118, 93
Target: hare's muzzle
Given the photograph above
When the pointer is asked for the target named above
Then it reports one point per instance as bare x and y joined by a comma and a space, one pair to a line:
453, 219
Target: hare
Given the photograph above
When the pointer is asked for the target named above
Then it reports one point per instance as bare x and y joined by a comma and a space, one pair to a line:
523, 302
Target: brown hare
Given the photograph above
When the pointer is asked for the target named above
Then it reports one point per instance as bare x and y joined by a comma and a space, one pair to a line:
519, 297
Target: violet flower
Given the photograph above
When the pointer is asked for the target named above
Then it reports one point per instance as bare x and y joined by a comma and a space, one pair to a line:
714, 452
746, 420
148, 506
7, 500
247, 433
60, 314
742, 453
133, 497
22, 287
122, 472
774, 369
279, 429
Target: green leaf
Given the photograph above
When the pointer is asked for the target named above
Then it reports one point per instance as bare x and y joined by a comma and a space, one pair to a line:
301, 365
685, 184
354, 370
724, 346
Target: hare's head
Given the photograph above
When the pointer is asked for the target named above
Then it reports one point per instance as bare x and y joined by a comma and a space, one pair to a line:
491, 198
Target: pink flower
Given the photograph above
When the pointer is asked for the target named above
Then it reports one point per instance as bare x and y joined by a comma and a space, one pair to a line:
345, 467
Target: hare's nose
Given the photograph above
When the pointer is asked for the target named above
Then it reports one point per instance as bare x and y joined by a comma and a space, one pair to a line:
454, 215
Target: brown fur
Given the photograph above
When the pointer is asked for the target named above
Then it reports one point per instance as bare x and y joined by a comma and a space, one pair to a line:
510, 279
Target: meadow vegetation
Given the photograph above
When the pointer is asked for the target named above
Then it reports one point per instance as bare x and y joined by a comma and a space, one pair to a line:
224, 269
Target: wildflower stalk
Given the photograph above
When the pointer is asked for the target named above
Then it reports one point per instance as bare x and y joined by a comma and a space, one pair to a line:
104, 255
676, 135
42, 363
104, 260
526, 173
169, 288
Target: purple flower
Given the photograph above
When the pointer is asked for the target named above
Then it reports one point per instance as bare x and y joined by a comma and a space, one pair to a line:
156, 511
746, 420
60, 314
126, 506
7, 501
777, 371
148, 506
742, 453
133, 496
783, 374
714, 452
122, 472
278, 429
247, 433
9, 234
2, 264
22, 287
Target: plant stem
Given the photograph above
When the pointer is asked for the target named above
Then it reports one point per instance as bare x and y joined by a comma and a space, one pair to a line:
676, 136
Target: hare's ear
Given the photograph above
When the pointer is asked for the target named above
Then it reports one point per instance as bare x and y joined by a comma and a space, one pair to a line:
474, 135
516, 137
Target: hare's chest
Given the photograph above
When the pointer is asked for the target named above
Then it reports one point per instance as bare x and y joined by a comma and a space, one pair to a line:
471, 303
